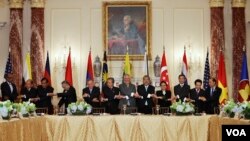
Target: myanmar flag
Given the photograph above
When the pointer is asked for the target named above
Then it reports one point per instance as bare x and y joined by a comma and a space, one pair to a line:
244, 92
222, 79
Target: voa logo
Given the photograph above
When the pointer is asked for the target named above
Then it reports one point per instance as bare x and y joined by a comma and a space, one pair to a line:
236, 132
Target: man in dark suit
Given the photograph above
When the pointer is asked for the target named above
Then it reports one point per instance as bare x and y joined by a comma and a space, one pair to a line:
44, 100
8, 89
196, 96
67, 96
111, 97
91, 94
213, 93
144, 98
181, 90
29, 92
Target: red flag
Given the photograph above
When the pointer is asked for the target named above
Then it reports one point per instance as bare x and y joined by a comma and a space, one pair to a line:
164, 71
47, 69
184, 69
90, 74
68, 73
222, 79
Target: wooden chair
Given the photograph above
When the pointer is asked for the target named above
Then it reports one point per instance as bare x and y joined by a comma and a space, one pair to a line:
42, 110
129, 110
162, 110
98, 110
216, 110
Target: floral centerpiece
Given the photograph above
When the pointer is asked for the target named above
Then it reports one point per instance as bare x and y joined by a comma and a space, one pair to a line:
79, 108
182, 108
245, 109
6, 109
26, 108
231, 108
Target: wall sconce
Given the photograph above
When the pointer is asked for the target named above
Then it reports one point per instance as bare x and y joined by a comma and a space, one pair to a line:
2, 24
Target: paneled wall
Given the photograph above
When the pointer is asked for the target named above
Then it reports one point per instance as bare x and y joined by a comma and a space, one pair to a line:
78, 24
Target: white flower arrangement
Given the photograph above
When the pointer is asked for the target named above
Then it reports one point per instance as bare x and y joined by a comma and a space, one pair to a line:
182, 108
5, 109
26, 108
79, 108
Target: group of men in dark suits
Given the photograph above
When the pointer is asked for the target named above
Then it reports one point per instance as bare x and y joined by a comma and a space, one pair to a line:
113, 98
205, 100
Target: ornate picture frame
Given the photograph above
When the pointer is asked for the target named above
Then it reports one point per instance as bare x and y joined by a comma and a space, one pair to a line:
127, 28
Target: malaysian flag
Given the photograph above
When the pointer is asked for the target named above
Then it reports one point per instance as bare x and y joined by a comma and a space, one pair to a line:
206, 72
8, 68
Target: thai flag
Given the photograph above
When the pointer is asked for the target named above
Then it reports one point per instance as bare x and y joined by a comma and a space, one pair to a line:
184, 69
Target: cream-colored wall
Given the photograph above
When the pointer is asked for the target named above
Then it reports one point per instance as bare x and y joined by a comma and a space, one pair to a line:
175, 23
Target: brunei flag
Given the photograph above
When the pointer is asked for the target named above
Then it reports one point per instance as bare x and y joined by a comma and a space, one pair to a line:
47, 69
222, 79
244, 91
104, 69
127, 69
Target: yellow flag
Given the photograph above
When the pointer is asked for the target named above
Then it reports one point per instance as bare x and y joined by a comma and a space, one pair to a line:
27, 68
127, 69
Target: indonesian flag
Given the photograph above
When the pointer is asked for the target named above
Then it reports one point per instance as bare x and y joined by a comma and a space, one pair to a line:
222, 79
68, 73
184, 69
244, 91
164, 71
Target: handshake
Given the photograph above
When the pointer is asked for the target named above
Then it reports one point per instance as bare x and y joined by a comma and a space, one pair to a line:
51, 94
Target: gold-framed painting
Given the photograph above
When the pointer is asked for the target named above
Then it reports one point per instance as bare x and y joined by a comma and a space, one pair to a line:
127, 28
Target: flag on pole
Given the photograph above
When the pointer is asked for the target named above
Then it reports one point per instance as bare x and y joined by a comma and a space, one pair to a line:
164, 71
244, 91
127, 69
90, 74
8, 67
47, 69
27, 68
145, 64
222, 79
68, 72
184, 69
206, 72
104, 69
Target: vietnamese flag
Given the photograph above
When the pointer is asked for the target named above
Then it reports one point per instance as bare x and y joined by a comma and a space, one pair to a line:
222, 79
90, 74
68, 73
47, 69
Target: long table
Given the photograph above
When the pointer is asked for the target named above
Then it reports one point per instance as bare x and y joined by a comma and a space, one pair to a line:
115, 128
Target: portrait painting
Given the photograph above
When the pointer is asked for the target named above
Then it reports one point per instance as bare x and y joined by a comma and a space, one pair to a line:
127, 29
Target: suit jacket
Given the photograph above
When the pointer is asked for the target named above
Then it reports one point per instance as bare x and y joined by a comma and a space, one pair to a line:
95, 93
32, 93
126, 91
194, 95
182, 91
45, 101
164, 102
6, 92
112, 103
145, 102
212, 101
67, 97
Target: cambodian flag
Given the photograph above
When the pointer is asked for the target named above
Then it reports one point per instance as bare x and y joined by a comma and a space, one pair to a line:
90, 74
